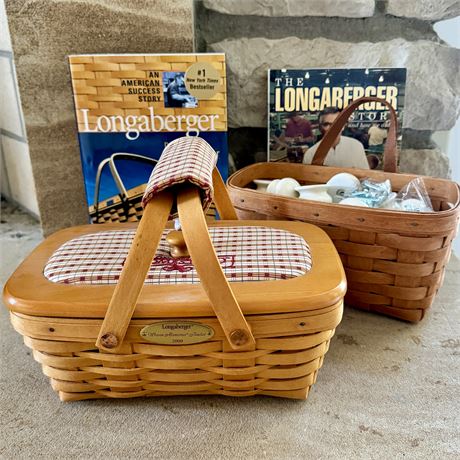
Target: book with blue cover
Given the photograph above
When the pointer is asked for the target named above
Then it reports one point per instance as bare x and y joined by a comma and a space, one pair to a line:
129, 107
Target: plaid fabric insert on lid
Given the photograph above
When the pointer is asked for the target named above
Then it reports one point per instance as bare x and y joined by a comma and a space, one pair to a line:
245, 254
187, 159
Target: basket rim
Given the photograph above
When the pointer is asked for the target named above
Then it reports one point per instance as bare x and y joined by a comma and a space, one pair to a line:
380, 219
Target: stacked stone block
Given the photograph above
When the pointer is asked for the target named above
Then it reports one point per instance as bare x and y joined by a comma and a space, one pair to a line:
328, 34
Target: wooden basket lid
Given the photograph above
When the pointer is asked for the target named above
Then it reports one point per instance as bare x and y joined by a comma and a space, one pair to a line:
30, 292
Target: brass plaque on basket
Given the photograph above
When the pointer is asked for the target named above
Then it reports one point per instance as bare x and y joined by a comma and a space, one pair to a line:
177, 332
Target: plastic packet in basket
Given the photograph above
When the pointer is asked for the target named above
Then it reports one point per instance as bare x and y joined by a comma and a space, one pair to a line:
373, 193
414, 197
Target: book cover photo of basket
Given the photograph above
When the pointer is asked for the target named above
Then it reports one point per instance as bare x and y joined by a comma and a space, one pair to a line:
394, 260
229, 307
127, 205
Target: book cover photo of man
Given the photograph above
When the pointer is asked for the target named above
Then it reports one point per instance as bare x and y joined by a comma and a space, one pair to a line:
304, 103
346, 152
175, 92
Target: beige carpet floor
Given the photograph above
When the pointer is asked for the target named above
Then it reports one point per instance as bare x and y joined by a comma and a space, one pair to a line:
387, 390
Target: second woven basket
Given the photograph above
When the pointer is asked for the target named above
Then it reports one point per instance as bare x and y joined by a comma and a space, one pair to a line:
394, 260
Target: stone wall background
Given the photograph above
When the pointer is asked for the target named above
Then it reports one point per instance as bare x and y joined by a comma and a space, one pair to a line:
260, 34
255, 34
44, 33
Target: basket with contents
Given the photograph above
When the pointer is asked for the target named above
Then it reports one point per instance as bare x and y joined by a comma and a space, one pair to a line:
394, 259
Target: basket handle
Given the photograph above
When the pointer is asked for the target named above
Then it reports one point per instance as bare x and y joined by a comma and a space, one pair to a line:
141, 253
137, 264
390, 154
185, 177
126, 156
222, 199
116, 175
212, 277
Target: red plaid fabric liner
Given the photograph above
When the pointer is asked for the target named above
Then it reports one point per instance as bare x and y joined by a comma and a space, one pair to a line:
245, 254
187, 159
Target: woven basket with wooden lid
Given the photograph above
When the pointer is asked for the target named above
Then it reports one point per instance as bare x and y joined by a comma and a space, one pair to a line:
236, 308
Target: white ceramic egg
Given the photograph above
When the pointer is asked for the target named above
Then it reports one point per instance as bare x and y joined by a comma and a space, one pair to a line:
353, 201
287, 187
271, 188
344, 180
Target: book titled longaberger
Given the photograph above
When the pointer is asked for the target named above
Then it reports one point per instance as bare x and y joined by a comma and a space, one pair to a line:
129, 107
303, 103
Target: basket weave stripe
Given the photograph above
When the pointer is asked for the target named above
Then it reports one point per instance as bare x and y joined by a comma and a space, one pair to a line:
284, 365
394, 261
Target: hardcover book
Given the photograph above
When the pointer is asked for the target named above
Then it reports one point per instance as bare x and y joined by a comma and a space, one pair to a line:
303, 103
129, 107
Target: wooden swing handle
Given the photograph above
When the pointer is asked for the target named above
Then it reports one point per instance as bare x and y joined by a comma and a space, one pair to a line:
142, 251
221, 197
390, 154
135, 269
212, 277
